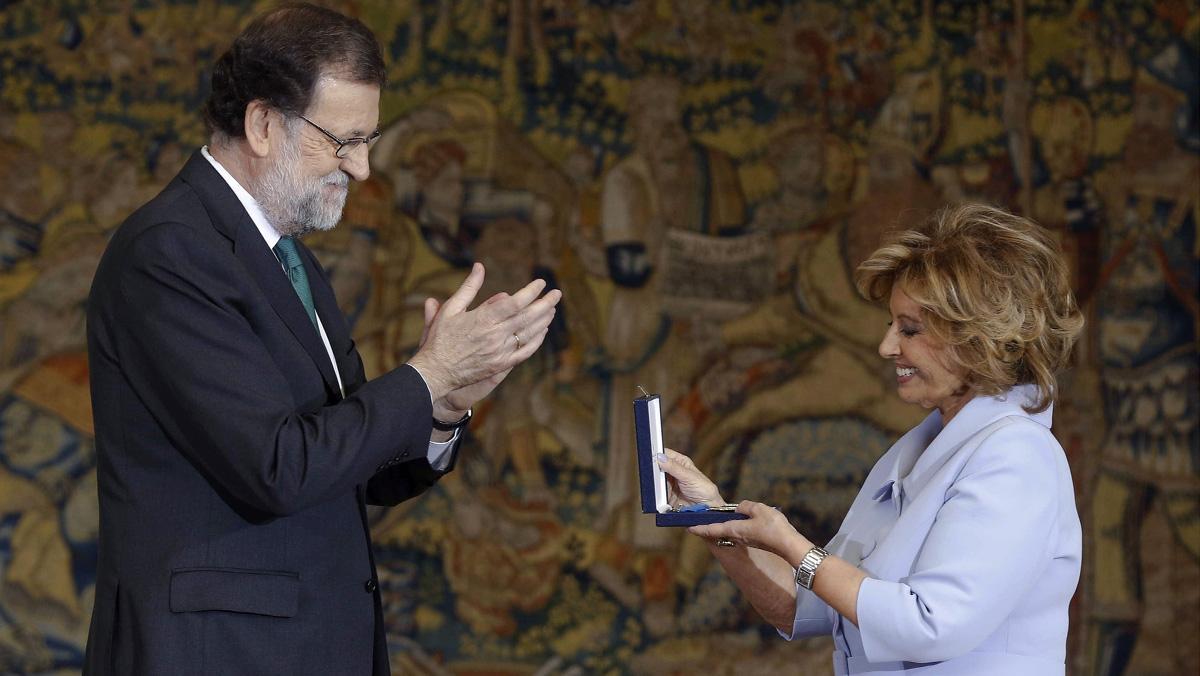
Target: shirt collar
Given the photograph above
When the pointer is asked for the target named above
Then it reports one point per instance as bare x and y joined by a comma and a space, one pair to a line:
908, 450
934, 444
268, 232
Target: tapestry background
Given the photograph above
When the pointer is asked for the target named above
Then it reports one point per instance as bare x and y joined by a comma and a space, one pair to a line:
699, 178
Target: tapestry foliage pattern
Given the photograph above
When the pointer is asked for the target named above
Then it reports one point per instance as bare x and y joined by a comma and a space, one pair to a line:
700, 179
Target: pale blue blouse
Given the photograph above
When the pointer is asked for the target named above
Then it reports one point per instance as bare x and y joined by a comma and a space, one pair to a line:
972, 545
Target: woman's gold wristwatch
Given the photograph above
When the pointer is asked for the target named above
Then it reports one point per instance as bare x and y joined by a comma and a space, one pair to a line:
806, 572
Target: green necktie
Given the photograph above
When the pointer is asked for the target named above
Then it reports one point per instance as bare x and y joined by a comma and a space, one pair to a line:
289, 255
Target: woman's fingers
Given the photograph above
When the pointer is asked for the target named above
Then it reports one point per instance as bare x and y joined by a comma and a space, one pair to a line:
673, 463
714, 531
674, 470
749, 507
691, 484
679, 457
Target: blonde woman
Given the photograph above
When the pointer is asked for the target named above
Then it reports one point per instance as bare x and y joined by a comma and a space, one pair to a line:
961, 552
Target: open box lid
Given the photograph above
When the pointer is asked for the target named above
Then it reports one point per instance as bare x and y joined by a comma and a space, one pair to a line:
647, 415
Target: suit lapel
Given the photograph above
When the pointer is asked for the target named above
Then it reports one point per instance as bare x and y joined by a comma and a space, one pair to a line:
331, 316
231, 220
265, 267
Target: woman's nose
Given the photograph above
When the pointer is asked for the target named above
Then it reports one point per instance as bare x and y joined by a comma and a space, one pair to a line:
889, 347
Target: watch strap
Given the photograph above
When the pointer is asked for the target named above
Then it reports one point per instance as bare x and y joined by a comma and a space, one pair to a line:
806, 572
451, 426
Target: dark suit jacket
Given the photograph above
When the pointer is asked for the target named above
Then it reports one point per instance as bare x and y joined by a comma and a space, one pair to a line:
233, 477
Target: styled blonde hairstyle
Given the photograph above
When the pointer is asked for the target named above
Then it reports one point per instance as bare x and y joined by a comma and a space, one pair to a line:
993, 288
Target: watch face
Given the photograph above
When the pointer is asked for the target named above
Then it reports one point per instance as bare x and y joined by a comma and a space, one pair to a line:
804, 578
808, 567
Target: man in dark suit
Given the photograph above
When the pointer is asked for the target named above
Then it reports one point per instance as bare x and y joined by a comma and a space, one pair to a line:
238, 440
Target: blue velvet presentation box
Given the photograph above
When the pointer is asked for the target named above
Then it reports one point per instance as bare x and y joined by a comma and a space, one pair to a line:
647, 415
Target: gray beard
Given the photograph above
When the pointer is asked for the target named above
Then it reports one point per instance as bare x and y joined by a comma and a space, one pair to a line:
295, 205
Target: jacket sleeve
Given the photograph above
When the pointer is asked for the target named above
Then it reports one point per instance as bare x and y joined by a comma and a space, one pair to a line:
812, 616
400, 478
987, 546
396, 482
222, 399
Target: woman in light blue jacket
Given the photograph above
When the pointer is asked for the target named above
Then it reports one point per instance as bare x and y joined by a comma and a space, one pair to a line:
962, 550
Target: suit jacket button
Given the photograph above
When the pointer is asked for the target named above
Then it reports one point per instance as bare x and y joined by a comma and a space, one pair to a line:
370, 586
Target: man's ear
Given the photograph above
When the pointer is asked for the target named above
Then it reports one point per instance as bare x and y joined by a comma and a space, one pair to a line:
259, 123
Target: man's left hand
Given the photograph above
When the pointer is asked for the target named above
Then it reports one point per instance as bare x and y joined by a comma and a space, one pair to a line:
454, 405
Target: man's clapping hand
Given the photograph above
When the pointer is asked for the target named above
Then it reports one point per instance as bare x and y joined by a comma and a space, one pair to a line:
464, 354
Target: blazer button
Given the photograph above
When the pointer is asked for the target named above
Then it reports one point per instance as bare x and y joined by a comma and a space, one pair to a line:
370, 586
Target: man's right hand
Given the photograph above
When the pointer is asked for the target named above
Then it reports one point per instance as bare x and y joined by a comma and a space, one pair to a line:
456, 402
464, 347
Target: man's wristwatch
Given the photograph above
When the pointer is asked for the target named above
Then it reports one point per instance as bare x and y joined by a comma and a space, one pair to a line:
806, 572
451, 426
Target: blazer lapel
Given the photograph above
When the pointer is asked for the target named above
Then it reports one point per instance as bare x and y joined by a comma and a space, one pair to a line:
265, 267
976, 415
907, 451
336, 329
231, 220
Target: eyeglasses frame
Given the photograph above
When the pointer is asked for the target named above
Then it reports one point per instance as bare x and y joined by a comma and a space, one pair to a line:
353, 142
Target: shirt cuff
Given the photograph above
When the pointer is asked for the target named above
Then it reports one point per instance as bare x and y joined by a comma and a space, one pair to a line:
812, 617
442, 452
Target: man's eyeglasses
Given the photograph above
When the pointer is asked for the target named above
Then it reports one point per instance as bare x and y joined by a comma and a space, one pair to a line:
344, 146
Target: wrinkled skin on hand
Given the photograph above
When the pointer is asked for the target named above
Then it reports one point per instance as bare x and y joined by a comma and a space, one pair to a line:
464, 354
687, 485
767, 528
